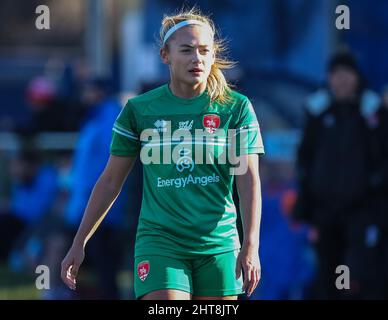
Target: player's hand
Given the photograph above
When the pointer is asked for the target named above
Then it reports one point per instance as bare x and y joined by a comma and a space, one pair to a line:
70, 265
248, 261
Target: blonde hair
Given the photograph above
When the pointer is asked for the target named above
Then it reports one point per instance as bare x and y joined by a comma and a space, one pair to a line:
218, 88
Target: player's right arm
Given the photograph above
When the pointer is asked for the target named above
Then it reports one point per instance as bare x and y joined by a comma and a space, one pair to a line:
104, 194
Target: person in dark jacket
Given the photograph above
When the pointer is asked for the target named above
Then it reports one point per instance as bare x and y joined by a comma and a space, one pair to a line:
338, 169
33, 188
382, 192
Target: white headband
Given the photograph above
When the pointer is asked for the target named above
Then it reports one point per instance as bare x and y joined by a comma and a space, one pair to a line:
183, 24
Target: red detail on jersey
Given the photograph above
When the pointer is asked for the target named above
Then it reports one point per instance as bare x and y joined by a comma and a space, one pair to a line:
211, 122
143, 268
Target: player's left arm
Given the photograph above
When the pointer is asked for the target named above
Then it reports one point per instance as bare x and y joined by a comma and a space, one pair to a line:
249, 191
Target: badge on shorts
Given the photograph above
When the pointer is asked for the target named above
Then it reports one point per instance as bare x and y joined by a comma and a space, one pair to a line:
143, 268
211, 122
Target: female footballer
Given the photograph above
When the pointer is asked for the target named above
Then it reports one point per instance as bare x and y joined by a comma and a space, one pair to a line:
187, 244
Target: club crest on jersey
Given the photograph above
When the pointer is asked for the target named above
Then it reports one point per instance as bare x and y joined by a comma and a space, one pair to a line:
211, 122
143, 268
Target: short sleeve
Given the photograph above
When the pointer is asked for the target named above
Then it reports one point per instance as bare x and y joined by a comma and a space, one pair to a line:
248, 136
125, 137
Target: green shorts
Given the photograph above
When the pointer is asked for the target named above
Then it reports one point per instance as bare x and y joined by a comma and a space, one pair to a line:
208, 275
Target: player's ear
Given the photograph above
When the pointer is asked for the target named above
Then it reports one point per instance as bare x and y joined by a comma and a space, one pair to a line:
164, 55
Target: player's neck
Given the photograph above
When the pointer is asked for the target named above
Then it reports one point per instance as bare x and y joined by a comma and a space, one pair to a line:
182, 90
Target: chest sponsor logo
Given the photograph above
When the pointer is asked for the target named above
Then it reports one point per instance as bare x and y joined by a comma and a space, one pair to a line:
185, 161
211, 122
183, 182
185, 125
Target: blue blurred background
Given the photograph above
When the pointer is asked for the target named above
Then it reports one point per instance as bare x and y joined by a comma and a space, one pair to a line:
52, 142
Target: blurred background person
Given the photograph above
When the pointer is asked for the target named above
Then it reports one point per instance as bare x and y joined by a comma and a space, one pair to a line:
52, 108
382, 193
32, 194
385, 97
284, 276
46, 113
91, 154
337, 166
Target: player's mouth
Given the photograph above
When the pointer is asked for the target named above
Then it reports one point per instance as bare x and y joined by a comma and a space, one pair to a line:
196, 72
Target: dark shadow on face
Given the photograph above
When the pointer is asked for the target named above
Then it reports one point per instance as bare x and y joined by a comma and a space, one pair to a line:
344, 83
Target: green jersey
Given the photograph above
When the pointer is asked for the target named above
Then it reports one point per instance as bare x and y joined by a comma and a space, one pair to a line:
184, 145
